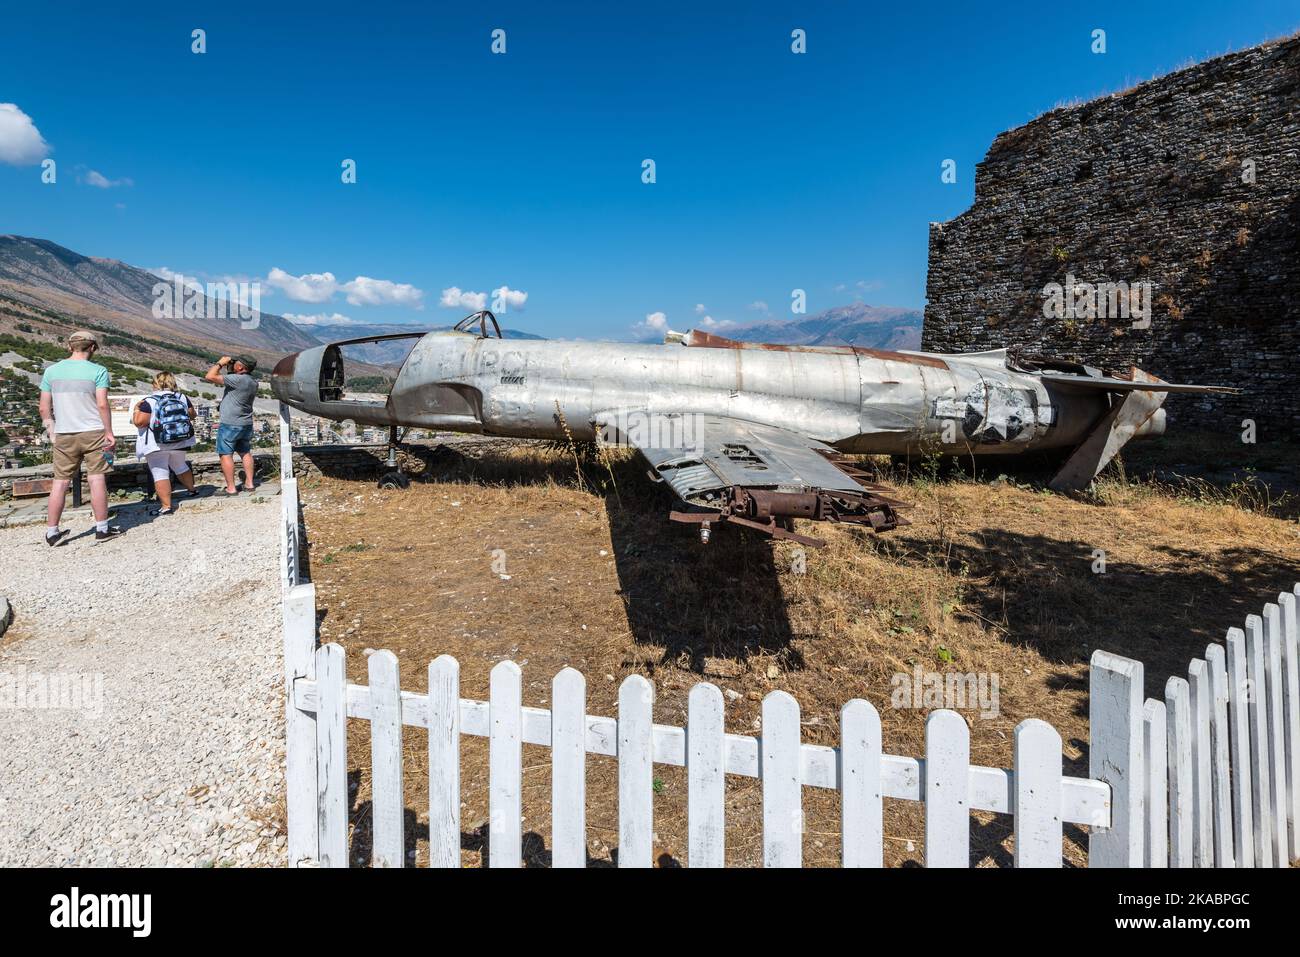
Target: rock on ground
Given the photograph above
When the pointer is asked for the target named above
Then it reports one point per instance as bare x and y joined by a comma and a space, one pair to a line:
161, 651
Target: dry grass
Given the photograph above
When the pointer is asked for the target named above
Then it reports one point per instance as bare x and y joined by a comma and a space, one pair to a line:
992, 578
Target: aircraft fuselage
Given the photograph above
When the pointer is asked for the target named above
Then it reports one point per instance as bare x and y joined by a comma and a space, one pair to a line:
857, 400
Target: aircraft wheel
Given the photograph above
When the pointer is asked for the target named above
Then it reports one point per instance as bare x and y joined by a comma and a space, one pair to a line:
394, 480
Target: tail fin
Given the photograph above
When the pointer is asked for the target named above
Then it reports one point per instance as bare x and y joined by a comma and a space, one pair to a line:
1138, 413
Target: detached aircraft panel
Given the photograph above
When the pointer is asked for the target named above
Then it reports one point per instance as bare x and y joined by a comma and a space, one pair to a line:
726, 469
716, 452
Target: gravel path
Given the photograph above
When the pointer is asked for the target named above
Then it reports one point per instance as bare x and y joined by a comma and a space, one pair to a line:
164, 646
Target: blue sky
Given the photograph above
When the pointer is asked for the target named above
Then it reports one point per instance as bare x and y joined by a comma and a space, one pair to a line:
475, 171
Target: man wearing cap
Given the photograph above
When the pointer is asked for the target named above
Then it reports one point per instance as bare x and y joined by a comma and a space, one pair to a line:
74, 408
235, 424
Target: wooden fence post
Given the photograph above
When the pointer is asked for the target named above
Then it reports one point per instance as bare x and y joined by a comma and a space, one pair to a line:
862, 794
782, 785
387, 806
635, 773
290, 535
333, 800
299, 628
1037, 747
1182, 813
706, 779
569, 769
505, 769
1220, 766
1243, 812
1115, 696
1198, 680
1291, 713
1274, 717
444, 762
1260, 779
1155, 747
947, 790
286, 444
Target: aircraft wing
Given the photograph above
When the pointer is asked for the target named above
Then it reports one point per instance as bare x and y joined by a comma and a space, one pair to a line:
726, 469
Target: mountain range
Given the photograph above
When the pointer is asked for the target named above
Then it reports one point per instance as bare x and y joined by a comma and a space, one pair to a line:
857, 324
107, 292
48, 289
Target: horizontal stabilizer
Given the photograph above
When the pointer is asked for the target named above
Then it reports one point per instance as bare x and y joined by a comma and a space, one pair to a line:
1083, 383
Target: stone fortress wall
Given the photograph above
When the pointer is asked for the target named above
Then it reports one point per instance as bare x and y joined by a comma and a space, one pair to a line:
1189, 183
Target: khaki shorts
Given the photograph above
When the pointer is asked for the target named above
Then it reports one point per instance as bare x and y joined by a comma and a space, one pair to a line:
71, 447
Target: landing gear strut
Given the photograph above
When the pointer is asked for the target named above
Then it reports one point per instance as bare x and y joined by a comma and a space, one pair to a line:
393, 478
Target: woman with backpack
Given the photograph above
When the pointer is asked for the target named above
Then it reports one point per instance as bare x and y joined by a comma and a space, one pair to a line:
165, 423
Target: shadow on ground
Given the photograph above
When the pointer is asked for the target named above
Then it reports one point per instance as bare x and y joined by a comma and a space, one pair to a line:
699, 602
1051, 595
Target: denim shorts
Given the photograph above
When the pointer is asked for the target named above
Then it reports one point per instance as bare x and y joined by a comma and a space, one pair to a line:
234, 439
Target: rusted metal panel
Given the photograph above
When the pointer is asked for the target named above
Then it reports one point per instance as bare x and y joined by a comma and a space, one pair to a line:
31, 488
708, 340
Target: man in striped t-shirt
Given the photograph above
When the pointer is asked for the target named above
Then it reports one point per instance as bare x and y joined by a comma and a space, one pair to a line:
74, 408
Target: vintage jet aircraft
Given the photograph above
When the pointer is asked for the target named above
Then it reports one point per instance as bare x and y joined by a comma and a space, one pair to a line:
748, 433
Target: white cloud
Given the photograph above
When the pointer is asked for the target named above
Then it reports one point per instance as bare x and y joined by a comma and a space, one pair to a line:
309, 287
189, 282
321, 319
21, 143
453, 297
504, 299
656, 323
861, 286
364, 291
172, 275
758, 305
700, 309
508, 298
100, 181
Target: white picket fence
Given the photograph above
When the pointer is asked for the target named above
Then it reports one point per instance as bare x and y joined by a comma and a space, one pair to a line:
1223, 791
290, 531
1036, 793
1219, 788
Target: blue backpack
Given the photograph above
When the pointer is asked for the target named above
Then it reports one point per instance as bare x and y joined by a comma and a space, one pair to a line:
171, 418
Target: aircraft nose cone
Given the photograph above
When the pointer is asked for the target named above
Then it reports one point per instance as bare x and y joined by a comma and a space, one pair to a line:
282, 375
